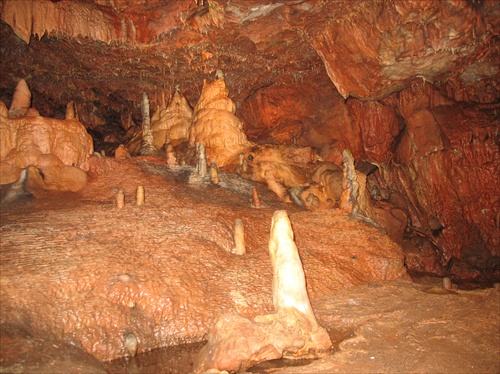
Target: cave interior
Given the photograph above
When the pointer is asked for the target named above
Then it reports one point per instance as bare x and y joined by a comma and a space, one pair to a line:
284, 95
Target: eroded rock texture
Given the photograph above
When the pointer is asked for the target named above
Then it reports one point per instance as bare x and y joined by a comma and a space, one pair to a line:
216, 126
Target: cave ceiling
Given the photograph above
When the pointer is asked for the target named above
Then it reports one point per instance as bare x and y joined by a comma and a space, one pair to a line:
103, 54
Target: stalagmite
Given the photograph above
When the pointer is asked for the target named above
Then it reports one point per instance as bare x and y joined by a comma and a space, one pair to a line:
289, 282
131, 344
216, 125
170, 151
202, 160
139, 197
122, 153
120, 199
147, 145
21, 101
350, 194
239, 238
200, 173
447, 283
256, 202
214, 173
71, 110
291, 331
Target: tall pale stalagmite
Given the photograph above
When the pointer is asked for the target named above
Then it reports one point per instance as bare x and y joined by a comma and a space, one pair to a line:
291, 331
21, 101
289, 282
147, 146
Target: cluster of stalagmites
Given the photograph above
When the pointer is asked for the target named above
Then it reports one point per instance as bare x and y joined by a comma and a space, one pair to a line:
211, 138
54, 153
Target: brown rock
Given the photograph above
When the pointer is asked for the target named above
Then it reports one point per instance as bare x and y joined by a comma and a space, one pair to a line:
122, 153
280, 167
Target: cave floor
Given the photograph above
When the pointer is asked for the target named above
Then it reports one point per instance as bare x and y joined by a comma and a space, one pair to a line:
377, 326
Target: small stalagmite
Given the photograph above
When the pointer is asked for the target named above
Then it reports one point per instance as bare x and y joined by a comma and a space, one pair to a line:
239, 238
200, 173
256, 202
350, 194
21, 101
139, 197
170, 151
71, 111
122, 153
202, 160
214, 173
131, 344
120, 199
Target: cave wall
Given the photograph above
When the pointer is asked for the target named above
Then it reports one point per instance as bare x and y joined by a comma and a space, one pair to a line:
410, 86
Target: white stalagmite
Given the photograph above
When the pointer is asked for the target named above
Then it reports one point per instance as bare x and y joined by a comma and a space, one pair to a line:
289, 283
239, 238
202, 160
147, 146
139, 196
120, 199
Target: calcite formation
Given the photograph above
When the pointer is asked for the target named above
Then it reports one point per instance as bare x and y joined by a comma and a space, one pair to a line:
280, 167
61, 148
172, 120
236, 343
216, 126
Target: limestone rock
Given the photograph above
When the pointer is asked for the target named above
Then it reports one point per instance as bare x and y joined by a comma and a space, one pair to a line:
61, 148
280, 167
216, 126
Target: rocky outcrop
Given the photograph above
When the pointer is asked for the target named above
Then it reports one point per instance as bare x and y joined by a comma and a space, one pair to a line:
428, 40
216, 126
61, 148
